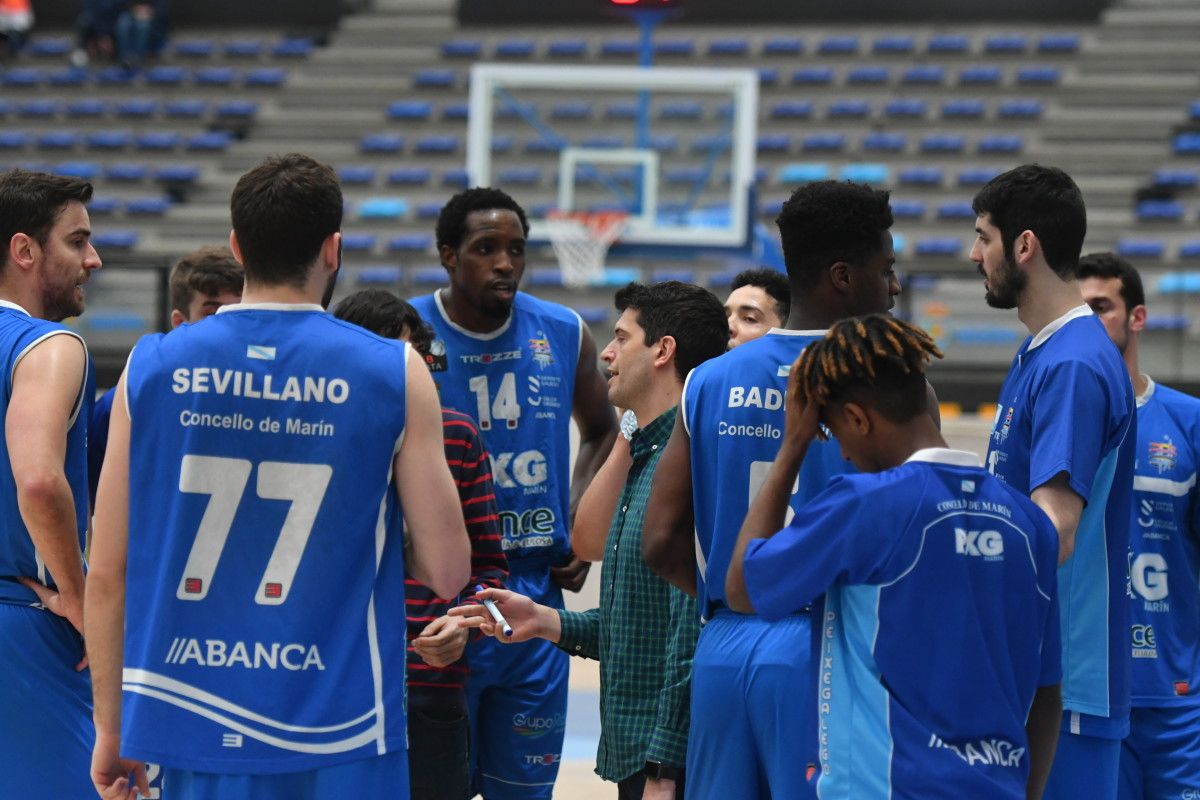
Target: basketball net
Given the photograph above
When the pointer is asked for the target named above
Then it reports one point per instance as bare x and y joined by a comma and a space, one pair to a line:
581, 240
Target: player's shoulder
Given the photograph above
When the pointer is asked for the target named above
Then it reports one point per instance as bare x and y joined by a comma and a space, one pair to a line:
527, 304
1177, 401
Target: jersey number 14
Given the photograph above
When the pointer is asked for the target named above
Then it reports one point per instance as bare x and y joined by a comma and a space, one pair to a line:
504, 406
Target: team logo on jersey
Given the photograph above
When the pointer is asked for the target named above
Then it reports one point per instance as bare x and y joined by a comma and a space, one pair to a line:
988, 545
436, 360
260, 351
1163, 455
1000, 432
534, 727
540, 347
1148, 581
1144, 643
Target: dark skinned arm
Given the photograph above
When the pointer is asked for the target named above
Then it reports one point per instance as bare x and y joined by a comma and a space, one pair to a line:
597, 428
1045, 716
669, 527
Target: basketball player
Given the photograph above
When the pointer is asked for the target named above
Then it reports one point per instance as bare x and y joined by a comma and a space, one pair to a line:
520, 366
1065, 434
947, 719
256, 471
1160, 757
46, 261
753, 730
759, 299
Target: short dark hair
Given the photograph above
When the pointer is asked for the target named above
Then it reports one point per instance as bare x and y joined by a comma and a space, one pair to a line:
209, 270
774, 283
30, 203
452, 221
1041, 199
693, 316
830, 221
874, 360
283, 210
386, 315
1111, 265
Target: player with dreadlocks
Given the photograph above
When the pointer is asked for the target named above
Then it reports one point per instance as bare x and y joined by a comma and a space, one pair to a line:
939, 643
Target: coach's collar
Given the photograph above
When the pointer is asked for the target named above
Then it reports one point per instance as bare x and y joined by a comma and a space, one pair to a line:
944, 455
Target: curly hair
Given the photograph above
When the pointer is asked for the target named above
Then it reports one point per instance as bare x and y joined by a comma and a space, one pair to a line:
830, 221
452, 221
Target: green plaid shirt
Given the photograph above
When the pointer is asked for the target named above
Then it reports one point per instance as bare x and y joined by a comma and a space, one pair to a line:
644, 634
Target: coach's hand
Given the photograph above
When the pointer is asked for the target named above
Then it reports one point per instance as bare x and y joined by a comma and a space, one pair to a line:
572, 575
528, 620
55, 603
111, 773
442, 642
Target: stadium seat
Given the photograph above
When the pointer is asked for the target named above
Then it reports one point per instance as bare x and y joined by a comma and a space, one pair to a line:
109, 140
113, 76
791, 109
237, 109
977, 176
963, 109
543, 146
1005, 44
209, 142
1000, 143
785, 46
86, 108
1141, 248
147, 206
414, 242
410, 176
908, 209
618, 48
866, 173
13, 140
938, 246
802, 173
980, 76
429, 210
894, 45
434, 79
985, 336
23, 77
948, 44
1160, 211
456, 111
773, 143
293, 47
379, 275
605, 142
823, 142
572, 110
383, 208
520, 176
681, 109
358, 242
729, 47
848, 109
87, 170
1038, 76
386, 143
675, 48
514, 48
265, 78
455, 178
214, 76
356, 175
812, 76
545, 278
955, 209
136, 108
39, 109
101, 205
165, 75
1058, 43
942, 143
1186, 144
923, 75
868, 76
178, 174
681, 274
621, 110
68, 77
1168, 322
905, 109
1179, 283
126, 173
195, 48
1019, 109
884, 142
115, 240
1195, 110
838, 46
511, 109
47, 47
428, 276
663, 142
471, 49
1190, 249
58, 140
1178, 178
185, 109
567, 48
768, 76
6, 107
593, 315
243, 48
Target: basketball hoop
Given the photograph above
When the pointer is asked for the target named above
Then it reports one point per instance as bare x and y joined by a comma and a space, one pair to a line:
581, 240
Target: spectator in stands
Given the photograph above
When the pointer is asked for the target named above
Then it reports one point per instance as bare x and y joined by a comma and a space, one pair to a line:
16, 20
759, 299
141, 31
97, 31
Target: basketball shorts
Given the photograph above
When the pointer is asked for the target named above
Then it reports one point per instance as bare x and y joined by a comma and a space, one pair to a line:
381, 776
1160, 757
1084, 767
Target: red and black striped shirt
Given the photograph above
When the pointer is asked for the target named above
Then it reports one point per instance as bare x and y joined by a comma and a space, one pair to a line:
472, 472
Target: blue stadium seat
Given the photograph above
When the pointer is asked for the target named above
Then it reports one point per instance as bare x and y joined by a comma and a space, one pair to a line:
58, 140
908, 209
5, 107
791, 109
265, 77
148, 206
866, 173
773, 143
771, 208
803, 173
709, 142
603, 142
1195, 110
1179, 178
942, 143
544, 278
209, 142
502, 144
681, 274
729, 47
126, 173
23, 77
969, 108
884, 142
1039, 76
838, 46
948, 44
621, 110
414, 242
87, 170
109, 140
977, 176
455, 178
618, 48
1169, 322
593, 315
385, 208
848, 109
358, 242
165, 75
955, 209
980, 76
681, 109
388, 143
237, 109
410, 176
1186, 144
428, 276
115, 240
514, 48
1141, 248
115, 320
520, 176
40, 108
868, 76
463, 48
993, 144
13, 140
356, 175
571, 110
905, 109
434, 79
456, 111
178, 174
411, 109
985, 336
1020, 109
823, 142
293, 47
894, 45
102, 205
113, 76
1189, 250
543, 146
378, 275
1160, 211
214, 76
429, 210
783, 46
663, 142
243, 48
567, 48
1005, 44
68, 77
185, 109
768, 76
812, 76
195, 48
675, 48
923, 75
1058, 43
136, 108
49, 47
86, 108
938, 246
677, 176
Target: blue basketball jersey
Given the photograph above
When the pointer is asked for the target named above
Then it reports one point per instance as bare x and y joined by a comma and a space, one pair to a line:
519, 382
19, 333
733, 408
1067, 406
939, 625
265, 588
1164, 551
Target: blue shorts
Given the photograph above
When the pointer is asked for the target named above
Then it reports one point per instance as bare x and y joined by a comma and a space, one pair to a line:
1084, 767
517, 697
753, 693
382, 776
1160, 757
47, 735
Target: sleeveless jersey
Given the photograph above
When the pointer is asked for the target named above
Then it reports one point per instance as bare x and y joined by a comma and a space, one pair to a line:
19, 333
1067, 406
519, 383
265, 585
1164, 551
733, 409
